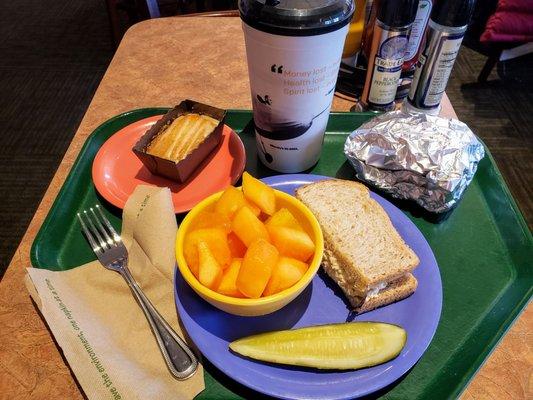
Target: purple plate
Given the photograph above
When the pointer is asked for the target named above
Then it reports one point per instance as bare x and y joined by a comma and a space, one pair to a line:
320, 303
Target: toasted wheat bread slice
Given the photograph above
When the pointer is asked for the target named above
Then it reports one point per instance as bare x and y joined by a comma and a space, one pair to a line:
362, 249
395, 291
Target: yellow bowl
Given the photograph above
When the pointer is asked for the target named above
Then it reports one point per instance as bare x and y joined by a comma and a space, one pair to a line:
263, 305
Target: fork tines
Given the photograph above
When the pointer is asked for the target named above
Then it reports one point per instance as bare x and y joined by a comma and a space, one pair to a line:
98, 229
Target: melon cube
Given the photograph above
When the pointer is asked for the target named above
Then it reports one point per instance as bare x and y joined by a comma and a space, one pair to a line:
259, 193
292, 242
216, 240
228, 284
236, 246
211, 219
256, 269
248, 227
209, 271
253, 208
286, 273
231, 200
284, 217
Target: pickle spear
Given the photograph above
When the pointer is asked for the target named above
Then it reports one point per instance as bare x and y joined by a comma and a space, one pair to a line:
351, 345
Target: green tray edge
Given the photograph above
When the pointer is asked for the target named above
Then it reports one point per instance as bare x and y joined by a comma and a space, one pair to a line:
482, 357
53, 209
520, 306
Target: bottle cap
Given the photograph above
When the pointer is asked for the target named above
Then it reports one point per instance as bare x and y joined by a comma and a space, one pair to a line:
296, 17
397, 13
454, 13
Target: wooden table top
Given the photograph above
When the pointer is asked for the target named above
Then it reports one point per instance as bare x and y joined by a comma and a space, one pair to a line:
158, 63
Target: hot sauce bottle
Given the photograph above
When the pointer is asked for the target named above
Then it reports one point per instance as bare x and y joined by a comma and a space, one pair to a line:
387, 46
370, 22
413, 49
417, 34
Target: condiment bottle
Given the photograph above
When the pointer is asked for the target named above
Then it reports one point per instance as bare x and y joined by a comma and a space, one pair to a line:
446, 29
370, 22
417, 34
413, 49
352, 45
386, 52
368, 10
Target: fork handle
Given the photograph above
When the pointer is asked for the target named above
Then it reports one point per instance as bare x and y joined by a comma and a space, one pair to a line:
180, 360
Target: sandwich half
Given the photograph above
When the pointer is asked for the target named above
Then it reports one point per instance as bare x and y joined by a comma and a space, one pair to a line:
363, 252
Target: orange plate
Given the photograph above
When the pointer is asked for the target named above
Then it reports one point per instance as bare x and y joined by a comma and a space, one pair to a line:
117, 171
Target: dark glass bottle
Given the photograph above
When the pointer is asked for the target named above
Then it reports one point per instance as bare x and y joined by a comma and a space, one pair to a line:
386, 48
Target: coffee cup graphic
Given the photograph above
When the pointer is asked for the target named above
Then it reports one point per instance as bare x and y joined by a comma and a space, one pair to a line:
272, 124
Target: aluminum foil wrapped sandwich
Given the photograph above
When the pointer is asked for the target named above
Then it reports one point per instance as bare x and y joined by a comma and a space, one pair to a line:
419, 157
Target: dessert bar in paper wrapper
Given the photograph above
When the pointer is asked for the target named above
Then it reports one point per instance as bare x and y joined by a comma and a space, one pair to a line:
424, 158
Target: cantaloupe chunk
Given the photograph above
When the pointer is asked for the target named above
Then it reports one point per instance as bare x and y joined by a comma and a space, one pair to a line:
209, 271
216, 240
284, 217
231, 200
211, 219
256, 269
292, 242
248, 227
236, 246
259, 193
228, 284
286, 273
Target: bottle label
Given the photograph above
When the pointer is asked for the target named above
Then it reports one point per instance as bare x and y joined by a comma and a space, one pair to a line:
418, 72
449, 48
387, 68
418, 28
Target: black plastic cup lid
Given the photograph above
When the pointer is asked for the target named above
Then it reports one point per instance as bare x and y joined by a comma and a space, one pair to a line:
296, 17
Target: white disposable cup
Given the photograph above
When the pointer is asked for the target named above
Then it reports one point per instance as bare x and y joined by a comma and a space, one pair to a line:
292, 82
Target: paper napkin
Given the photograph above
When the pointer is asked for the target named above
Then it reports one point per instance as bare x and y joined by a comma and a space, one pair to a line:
98, 324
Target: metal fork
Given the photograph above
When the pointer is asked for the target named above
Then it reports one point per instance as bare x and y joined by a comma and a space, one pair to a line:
112, 254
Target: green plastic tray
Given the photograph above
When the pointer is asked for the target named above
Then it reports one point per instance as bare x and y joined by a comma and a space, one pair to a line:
484, 250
